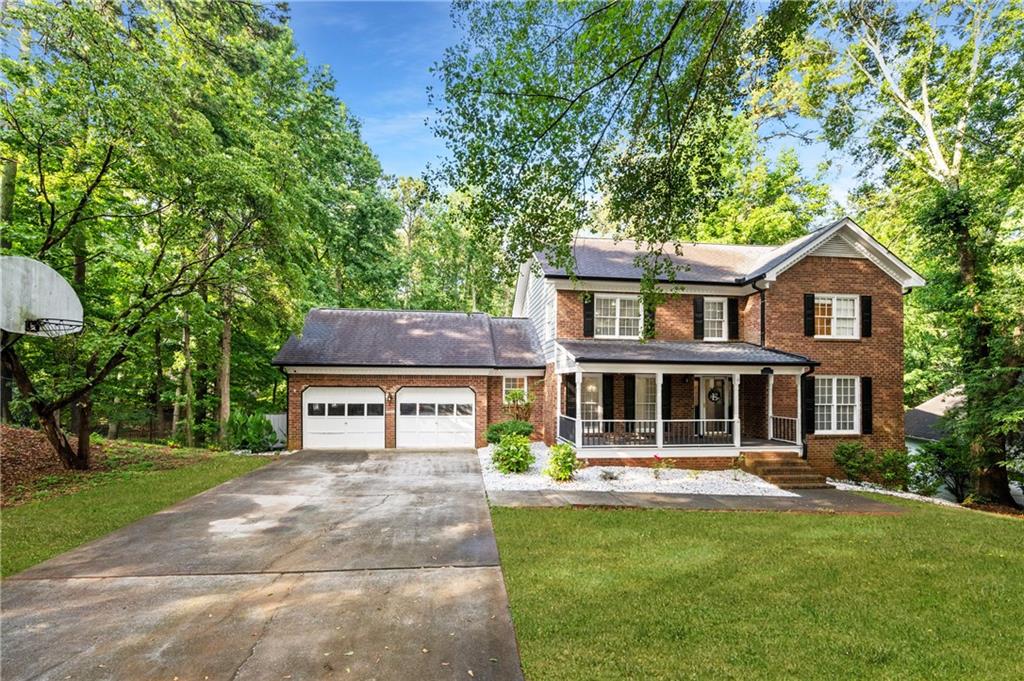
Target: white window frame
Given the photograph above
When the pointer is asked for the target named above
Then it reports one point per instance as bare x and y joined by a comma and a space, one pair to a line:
618, 316
834, 404
596, 406
522, 383
832, 298
651, 405
725, 318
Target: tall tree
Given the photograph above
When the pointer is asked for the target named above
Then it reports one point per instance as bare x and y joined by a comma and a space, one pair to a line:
547, 105
929, 99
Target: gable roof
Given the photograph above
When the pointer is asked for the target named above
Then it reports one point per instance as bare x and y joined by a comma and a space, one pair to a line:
411, 338
923, 422
699, 263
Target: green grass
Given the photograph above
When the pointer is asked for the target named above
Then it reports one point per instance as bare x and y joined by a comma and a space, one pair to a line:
632, 594
103, 502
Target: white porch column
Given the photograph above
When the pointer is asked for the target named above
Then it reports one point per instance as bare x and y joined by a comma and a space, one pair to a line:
799, 416
558, 405
660, 436
579, 407
736, 410
771, 407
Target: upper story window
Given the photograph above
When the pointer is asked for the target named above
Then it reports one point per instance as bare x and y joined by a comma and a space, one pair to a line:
513, 383
835, 404
617, 316
716, 322
835, 316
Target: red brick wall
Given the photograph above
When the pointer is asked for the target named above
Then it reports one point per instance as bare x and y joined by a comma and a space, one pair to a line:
487, 389
750, 319
754, 405
570, 314
707, 463
499, 412
674, 319
880, 356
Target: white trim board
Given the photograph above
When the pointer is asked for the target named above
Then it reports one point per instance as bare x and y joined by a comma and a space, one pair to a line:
409, 371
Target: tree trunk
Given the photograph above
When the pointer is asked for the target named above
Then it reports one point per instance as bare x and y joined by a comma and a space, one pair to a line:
156, 414
224, 379
84, 459
10, 173
49, 420
186, 375
112, 422
994, 485
176, 412
78, 247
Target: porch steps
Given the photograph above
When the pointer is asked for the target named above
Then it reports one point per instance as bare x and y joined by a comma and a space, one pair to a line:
785, 469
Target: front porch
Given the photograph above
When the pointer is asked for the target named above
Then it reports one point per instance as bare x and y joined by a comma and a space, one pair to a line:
619, 414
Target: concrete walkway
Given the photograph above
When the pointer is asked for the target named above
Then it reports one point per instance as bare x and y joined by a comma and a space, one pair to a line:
808, 501
324, 565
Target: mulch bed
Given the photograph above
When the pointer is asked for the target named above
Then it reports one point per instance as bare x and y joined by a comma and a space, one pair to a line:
26, 458
997, 508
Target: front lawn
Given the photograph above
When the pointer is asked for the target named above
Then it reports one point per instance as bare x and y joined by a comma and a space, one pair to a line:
634, 594
70, 509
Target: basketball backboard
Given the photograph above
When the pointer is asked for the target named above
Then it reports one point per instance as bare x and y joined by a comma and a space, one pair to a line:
35, 300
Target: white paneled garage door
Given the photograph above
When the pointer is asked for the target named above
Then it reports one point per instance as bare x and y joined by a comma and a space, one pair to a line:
436, 417
343, 418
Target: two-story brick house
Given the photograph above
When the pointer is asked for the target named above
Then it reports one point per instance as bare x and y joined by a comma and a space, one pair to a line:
750, 348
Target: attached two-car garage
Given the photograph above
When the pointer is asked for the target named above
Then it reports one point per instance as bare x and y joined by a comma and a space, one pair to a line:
354, 418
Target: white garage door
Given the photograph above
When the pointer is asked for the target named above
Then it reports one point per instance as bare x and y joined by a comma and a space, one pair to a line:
343, 418
436, 417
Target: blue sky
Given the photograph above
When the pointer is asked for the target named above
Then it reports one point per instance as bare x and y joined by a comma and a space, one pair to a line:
381, 54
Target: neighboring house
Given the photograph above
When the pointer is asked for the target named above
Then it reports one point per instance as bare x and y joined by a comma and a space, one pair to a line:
922, 423
764, 348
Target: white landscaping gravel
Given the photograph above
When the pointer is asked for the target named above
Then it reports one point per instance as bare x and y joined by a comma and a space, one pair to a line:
628, 479
850, 486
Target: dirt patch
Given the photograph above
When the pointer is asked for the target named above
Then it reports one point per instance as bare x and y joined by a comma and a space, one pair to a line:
997, 508
30, 469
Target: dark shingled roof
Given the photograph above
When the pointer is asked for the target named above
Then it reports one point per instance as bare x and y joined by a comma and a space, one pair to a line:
600, 258
678, 352
406, 338
923, 421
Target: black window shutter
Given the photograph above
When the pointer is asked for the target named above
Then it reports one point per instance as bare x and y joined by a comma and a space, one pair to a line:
649, 314
808, 314
865, 316
733, 312
588, 316
698, 317
866, 427
807, 403
608, 400
570, 397
666, 397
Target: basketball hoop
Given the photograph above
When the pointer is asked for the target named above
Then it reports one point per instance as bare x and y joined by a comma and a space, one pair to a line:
35, 300
51, 328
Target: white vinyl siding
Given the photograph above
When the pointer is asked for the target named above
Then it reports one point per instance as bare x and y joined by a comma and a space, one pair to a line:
617, 316
836, 316
836, 404
542, 311
716, 322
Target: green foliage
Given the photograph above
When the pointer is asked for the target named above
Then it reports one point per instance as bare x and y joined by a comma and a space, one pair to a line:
250, 431
546, 104
894, 468
562, 462
513, 454
857, 461
519, 404
497, 431
951, 461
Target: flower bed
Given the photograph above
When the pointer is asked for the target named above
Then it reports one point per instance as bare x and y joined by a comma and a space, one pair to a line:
627, 479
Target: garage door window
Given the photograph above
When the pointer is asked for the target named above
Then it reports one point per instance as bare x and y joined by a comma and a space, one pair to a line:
464, 409
375, 410
357, 410
407, 409
446, 410
315, 409
335, 409
427, 409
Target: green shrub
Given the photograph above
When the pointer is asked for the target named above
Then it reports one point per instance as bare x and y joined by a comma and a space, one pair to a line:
563, 463
952, 462
856, 460
497, 431
894, 468
250, 431
519, 404
513, 454
923, 478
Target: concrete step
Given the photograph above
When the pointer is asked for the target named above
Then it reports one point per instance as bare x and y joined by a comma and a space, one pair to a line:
770, 456
780, 470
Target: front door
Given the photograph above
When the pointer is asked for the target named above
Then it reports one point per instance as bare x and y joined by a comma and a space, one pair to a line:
715, 400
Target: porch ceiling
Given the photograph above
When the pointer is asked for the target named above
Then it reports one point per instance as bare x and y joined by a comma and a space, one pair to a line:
679, 352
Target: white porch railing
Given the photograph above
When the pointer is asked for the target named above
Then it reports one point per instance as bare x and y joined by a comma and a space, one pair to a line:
698, 432
644, 432
619, 433
783, 428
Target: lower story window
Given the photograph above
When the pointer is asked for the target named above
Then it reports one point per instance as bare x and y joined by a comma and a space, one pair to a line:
513, 383
835, 404
646, 398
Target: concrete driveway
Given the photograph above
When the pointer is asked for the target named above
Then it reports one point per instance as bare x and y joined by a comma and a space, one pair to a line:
325, 565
